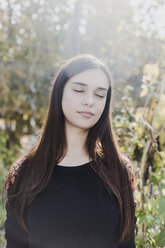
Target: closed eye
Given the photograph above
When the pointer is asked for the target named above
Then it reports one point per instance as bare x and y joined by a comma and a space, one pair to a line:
99, 96
79, 90
95, 94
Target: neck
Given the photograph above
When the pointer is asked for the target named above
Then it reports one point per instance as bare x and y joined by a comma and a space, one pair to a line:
75, 139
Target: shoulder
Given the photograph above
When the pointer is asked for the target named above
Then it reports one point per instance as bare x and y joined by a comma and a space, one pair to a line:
130, 170
14, 170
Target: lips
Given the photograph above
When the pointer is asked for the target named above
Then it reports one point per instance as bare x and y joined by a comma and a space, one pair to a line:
85, 113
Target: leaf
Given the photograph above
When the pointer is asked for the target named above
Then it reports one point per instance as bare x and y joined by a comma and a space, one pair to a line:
152, 71
144, 91
161, 239
161, 209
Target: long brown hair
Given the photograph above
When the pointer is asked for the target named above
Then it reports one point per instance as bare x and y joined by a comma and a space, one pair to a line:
34, 172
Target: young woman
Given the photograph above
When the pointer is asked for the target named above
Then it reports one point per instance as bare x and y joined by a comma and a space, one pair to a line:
74, 189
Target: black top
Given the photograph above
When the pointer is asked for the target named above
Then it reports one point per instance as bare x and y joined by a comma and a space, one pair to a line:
73, 211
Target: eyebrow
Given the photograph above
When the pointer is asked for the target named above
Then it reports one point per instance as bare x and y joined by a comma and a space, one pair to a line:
83, 84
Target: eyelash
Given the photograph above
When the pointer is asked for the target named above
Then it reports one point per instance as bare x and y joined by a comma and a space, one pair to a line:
83, 91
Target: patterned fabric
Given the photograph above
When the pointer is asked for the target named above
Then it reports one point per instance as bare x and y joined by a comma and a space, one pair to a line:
129, 166
14, 171
131, 175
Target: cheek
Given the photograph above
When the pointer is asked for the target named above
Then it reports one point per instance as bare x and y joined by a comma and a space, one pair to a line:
100, 108
65, 103
69, 99
68, 105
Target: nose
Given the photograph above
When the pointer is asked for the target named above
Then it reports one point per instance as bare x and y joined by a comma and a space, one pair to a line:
89, 101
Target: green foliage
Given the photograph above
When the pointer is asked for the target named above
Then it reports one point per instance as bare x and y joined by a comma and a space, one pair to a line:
141, 140
151, 214
7, 152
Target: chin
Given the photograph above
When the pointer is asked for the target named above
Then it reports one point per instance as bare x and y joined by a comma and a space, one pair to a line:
81, 125
86, 127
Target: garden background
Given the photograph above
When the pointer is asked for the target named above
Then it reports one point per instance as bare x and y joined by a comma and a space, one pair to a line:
38, 36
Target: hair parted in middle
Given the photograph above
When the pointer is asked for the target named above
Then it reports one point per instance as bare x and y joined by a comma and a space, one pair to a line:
107, 160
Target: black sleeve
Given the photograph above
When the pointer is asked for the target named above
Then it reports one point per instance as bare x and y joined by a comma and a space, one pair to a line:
15, 236
130, 243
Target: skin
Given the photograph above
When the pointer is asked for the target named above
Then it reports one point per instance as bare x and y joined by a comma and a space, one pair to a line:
77, 97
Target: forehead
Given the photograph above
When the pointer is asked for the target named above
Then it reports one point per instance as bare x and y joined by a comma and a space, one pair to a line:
94, 78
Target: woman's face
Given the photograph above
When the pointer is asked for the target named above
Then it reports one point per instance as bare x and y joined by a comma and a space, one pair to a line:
84, 98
